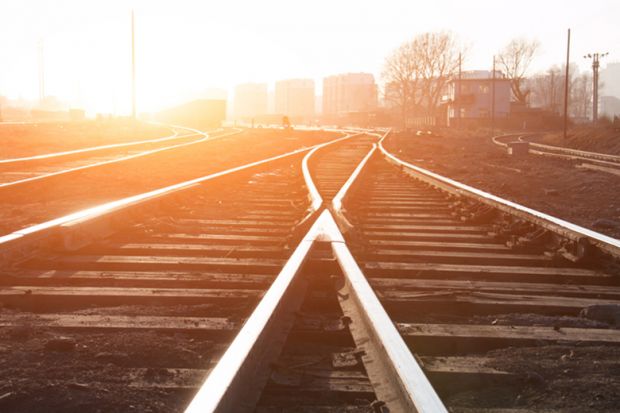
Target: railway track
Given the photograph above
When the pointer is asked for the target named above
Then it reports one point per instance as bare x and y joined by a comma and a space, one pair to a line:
184, 277
23, 159
273, 282
480, 293
596, 161
21, 171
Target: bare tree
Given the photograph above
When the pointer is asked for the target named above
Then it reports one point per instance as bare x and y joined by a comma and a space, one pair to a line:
438, 55
515, 59
547, 89
581, 96
417, 72
400, 73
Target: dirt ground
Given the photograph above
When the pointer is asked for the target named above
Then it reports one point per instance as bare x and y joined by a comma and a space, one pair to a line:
39, 138
580, 378
556, 187
65, 378
601, 139
40, 201
78, 371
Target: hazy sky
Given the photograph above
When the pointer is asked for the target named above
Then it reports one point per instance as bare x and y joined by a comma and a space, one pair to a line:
186, 47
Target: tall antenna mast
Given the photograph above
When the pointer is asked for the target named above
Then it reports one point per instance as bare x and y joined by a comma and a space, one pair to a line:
133, 69
595, 65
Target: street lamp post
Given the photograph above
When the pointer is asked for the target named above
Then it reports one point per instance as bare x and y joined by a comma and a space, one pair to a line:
595, 65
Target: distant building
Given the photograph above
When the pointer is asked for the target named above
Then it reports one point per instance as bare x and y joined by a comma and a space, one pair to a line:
295, 98
610, 80
250, 100
470, 98
350, 92
609, 106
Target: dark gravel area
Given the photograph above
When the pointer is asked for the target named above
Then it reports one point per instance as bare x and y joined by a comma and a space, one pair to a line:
552, 378
97, 372
554, 186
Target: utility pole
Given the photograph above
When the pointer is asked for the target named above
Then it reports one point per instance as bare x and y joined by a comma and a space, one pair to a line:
566, 85
133, 69
458, 96
493, 99
41, 73
595, 65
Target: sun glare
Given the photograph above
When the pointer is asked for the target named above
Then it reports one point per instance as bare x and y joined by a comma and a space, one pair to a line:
186, 50
309, 206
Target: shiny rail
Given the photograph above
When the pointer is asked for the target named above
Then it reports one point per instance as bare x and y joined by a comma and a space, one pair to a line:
600, 159
73, 170
563, 228
175, 135
396, 376
72, 228
315, 197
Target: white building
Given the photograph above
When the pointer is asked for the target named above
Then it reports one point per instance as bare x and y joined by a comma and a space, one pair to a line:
250, 100
609, 101
295, 98
349, 92
610, 80
471, 98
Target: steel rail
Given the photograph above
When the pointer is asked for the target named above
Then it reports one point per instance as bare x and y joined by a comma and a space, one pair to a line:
72, 226
236, 381
396, 376
337, 201
407, 388
496, 139
574, 158
557, 225
175, 135
399, 379
565, 153
205, 138
576, 152
315, 197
